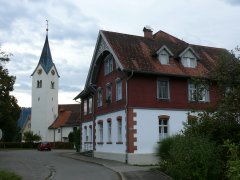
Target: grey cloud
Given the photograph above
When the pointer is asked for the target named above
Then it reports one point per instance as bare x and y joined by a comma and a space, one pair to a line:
233, 2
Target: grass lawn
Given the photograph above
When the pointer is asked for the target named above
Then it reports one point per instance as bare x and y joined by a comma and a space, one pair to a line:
5, 175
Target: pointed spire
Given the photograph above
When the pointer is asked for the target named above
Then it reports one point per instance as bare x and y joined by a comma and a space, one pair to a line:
46, 57
47, 28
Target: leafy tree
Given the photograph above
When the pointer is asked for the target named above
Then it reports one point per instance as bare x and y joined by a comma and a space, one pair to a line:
9, 109
75, 138
30, 137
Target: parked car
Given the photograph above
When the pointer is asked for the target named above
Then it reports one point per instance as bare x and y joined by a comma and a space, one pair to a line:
44, 146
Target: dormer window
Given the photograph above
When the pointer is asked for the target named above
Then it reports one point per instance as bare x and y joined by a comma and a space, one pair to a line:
189, 62
189, 58
163, 55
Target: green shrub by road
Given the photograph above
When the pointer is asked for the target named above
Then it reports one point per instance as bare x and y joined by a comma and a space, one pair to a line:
5, 175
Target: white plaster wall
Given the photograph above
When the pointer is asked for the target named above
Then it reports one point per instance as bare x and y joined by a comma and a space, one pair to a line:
87, 124
59, 136
44, 104
112, 148
148, 128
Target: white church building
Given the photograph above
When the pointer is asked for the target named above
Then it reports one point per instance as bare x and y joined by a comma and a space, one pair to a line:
44, 94
52, 121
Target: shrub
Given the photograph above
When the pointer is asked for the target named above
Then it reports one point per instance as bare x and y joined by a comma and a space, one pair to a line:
191, 158
4, 175
165, 146
233, 163
62, 145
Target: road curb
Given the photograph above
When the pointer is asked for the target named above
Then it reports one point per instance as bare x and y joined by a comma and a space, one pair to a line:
120, 174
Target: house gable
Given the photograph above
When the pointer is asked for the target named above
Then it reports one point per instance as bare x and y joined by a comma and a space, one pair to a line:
102, 49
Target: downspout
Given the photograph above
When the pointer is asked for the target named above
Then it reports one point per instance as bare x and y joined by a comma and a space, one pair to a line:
93, 127
126, 116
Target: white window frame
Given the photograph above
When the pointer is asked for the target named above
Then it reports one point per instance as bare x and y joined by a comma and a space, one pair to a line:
119, 130
100, 131
109, 93
85, 107
90, 105
118, 89
163, 127
163, 57
100, 96
193, 91
108, 65
189, 62
160, 89
86, 134
90, 134
109, 123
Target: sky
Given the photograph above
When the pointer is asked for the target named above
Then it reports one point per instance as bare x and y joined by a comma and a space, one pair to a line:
74, 26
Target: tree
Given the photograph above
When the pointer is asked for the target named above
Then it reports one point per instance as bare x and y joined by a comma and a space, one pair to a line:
9, 109
75, 138
30, 137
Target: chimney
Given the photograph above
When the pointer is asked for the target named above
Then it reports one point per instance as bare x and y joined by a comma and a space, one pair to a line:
147, 31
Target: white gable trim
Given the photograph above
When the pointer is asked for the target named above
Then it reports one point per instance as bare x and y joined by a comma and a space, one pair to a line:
164, 47
189, 48
101, 46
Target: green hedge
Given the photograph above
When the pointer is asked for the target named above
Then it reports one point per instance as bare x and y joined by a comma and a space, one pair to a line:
62, 145
186, 158
22, 145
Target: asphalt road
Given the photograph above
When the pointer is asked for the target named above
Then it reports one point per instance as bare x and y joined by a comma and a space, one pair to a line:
50, 165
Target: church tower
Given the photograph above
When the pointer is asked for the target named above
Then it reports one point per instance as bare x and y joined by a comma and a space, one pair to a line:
44, 94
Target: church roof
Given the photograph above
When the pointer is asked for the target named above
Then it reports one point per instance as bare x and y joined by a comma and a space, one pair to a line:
46, 57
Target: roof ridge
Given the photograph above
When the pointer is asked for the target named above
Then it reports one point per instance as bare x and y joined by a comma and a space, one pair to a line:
160, 31
207, 46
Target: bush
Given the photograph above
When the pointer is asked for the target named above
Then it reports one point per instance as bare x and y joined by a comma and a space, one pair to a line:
165, 146
4, 175
62, 145
233, 162
191, 158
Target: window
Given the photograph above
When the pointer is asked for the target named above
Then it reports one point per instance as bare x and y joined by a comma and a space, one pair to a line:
118, 89
85, 134
119, 130
163, 89
90, 133
99, 94
100, 131
109, 130
90, 100
163, 128
85, 107
163, 57
198, 92
52, 85
39, 83
59, 130
189, 62
108, 93
108, 64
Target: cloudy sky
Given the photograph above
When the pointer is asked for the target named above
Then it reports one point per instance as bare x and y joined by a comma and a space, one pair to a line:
74, 27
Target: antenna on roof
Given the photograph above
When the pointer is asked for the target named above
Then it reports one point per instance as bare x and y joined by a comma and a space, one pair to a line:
47, 27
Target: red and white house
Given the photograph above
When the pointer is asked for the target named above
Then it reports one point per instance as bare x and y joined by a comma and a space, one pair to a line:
138, 91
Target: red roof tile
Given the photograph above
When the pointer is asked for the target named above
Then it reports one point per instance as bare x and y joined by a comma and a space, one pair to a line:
138, 54
68, 115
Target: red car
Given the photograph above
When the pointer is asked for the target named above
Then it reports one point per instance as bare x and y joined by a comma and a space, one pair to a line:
44, 146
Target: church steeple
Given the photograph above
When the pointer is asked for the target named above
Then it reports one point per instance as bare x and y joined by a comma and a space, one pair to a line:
46, 60
46, 57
